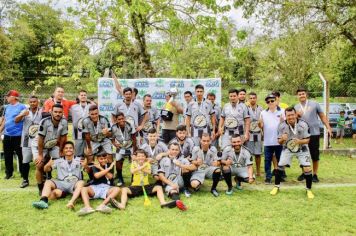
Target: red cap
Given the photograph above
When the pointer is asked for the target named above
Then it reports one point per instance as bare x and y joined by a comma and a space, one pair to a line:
13, 93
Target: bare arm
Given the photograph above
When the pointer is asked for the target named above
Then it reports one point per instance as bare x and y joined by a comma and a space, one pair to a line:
187, 124
178, 107
221, 125
117, 84
325, 121
48, 166
165, 180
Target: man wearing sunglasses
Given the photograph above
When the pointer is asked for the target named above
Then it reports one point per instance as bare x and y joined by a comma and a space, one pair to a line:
269, 121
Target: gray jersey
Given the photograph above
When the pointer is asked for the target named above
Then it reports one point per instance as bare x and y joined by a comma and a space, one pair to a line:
30, 119
78, 112
239, 159
310, 113
66, 169
122, 134
50, 132
153, 116
185, 148
200, 114
167, 166
153, 152
299, 131
132, 113
96, 130
207, 157
235, 116
255, 114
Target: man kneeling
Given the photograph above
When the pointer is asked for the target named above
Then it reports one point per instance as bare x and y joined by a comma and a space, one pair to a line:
101, 187
68, 175
140, 169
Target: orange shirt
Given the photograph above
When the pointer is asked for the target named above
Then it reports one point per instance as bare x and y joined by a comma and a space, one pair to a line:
47, 106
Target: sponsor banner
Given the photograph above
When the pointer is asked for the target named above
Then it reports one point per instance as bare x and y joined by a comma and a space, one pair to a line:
108, 97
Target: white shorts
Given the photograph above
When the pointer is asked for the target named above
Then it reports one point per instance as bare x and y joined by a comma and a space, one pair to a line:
26, 154
53, 152
80, 145
286, 158
239, 171
106, 144
201, 174
100, 190
178, 180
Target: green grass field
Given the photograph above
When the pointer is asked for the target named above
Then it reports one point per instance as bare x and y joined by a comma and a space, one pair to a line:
251, 211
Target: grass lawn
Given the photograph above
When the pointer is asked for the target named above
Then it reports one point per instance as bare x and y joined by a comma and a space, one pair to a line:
250, 211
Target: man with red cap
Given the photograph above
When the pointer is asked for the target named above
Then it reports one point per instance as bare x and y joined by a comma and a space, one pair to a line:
13, 125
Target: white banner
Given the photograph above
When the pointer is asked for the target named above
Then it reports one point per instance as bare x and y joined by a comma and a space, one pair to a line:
108, 97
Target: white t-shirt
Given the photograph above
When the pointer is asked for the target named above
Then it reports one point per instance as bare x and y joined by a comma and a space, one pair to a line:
271, 122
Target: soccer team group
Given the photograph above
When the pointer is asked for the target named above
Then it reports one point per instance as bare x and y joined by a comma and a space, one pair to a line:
178, 147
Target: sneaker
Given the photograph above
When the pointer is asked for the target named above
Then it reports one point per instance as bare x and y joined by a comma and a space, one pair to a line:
301, 177
180, 205
229, 192
114, 203
85, 211
310, 194
24, 184
274, 191
268, 181
120, 182
104, 209
40, 204
315, 179
215, 193
8, 177
187, 193
238, 186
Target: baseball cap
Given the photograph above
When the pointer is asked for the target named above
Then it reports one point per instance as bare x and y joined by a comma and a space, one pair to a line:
269, 96
13, 93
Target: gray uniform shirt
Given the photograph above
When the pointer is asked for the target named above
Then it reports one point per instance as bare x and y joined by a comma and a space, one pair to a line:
153, 116
95, 131
153, 152
238, 112
50, 132
301, 132
310, 115
255, 116
132, 113
195, 109
207, 157
185, 148
78, 112
241, 159
30, 119
66, 169
167, 166
124, 134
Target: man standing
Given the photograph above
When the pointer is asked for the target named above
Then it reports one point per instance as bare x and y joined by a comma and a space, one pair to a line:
200, 116
13, 126
255, 142
242, 95
31, 118
217, 109
79, 111
234, 120
309, 111
269, 121
153, 116
170, 120
294, 135
58, 98
52, 134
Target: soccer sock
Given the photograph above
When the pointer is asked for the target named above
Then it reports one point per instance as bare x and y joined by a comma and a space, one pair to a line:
25, 171
175, 196
49, 175
119, 165
308, 179
278, 176
227, 177
45, 199
186, 179
216, 178
171, 204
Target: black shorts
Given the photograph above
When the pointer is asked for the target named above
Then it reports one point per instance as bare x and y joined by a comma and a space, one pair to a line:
314, 145
138, 191
168, 135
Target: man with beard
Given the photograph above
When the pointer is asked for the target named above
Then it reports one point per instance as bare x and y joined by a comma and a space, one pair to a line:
205, 158
234, 120
52, 134
124, 139
237, 161
185, 143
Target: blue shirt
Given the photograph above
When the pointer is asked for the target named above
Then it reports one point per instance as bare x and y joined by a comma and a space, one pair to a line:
354, 123
11, 111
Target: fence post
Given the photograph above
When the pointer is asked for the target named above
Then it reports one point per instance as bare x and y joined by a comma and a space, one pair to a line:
326, 97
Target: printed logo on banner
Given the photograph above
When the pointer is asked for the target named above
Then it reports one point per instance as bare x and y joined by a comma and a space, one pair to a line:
160, 104
194, 82
212, 83
106, 107
106, 94
159, 95
141, 84
159, 83
106, 84
124, 83
142, 92
214, 91
176, 83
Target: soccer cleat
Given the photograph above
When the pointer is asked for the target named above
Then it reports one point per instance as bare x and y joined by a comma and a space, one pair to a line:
104, 209
181, 205
274, 191
214, 192
120, 183
315, 179
187, 193
24, 184
8, 177
310, 194
301, 177
229, 192
40, 204
85, 211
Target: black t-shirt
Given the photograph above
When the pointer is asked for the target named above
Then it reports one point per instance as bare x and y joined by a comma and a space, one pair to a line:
103, 179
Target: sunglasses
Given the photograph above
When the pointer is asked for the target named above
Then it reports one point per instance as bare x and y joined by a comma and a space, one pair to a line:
270, 101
